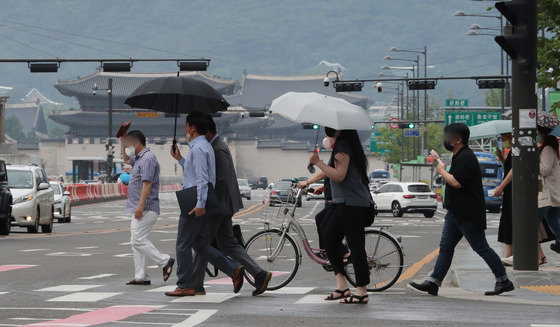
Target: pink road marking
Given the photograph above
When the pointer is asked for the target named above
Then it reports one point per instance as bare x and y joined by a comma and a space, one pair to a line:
14, 267
100, 316
227, 280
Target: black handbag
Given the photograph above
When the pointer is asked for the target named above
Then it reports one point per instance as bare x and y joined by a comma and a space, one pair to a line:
187, 199
371, 213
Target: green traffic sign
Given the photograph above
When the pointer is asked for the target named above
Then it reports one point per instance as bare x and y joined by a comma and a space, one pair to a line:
457, 102
373, 144
471, 118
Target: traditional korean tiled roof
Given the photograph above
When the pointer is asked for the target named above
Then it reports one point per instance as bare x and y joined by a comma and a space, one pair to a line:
258, 91
30, 116
34, 96
124, 83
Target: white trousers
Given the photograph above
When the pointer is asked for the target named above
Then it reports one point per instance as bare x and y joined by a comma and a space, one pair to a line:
142, 248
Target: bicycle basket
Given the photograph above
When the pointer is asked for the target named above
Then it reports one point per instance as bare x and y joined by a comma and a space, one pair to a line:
277, 209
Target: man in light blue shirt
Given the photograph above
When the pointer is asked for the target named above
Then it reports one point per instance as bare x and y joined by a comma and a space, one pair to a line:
199, 169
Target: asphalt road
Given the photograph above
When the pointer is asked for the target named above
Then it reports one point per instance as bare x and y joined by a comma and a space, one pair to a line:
76, 276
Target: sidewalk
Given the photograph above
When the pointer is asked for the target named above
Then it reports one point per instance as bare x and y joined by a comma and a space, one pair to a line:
471, 274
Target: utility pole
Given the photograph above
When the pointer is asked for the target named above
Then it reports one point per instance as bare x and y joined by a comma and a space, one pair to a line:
425, 145
3, 101
521, 46
109, 143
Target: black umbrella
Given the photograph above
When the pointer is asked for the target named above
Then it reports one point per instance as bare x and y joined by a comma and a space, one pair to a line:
177, 95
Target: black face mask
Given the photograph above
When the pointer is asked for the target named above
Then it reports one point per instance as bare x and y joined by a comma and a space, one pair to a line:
447, 145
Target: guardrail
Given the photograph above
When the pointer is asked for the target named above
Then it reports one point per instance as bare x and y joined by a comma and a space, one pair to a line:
108, 191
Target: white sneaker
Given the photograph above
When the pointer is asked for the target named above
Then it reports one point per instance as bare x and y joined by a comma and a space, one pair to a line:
507, 261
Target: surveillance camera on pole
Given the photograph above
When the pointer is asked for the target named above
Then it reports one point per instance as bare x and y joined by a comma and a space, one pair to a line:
326, 81
379, 87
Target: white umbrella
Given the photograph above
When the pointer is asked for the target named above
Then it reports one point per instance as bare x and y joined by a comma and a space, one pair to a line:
490, 129
311, 107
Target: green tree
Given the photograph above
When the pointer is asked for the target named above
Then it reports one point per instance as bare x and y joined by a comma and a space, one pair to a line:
392, 140
548, 56
14, 129
493, 98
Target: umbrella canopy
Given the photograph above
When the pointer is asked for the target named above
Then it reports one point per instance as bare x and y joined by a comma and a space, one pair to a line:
323, 110
544, 119
177, 95
490, 129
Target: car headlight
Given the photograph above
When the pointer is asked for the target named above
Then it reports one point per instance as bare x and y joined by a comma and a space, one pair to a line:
22, 199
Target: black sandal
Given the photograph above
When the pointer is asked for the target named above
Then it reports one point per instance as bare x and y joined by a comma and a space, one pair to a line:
361, 299
138, 282
342, 295
167, 269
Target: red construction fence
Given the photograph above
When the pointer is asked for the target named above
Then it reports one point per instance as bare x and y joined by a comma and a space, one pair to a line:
90, 192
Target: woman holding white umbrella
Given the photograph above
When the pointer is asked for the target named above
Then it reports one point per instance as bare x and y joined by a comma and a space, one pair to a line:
347, 171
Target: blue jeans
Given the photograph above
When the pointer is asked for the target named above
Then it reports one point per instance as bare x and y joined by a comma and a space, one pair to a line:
551, 215
454, 229
193, 234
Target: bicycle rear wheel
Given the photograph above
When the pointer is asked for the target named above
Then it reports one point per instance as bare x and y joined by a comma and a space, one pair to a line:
385, 261
284, 266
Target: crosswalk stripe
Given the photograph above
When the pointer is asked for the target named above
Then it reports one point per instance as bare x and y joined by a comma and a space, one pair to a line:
68, 288
97, 276
84, 297
208, 298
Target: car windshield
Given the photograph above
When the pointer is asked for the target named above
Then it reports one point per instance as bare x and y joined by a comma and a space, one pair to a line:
55, 188
242, 182
282, 185
380, 174
20, 179
419, 188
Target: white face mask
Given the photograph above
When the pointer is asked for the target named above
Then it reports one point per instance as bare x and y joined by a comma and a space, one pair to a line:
328, 142
130, 151
188, 137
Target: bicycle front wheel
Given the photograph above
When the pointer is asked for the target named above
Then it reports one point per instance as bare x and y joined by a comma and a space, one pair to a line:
283, 266
385, 261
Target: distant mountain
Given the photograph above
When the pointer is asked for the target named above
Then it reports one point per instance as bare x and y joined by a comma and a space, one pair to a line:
263, 37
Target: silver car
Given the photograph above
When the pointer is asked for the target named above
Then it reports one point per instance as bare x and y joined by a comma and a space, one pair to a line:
62, 202
244, 188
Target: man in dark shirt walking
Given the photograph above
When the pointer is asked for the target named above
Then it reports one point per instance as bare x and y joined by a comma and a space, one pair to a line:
466, 213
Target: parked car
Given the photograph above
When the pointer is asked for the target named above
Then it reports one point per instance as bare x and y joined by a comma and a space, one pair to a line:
258, 182
244, 188
281, 192
400, 198
314, 186
5, 201
33, 199
62, 203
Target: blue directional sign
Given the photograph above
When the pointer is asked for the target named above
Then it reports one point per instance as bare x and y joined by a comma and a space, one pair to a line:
411, 133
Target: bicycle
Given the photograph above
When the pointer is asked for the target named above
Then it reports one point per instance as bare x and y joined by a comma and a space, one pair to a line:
275, 250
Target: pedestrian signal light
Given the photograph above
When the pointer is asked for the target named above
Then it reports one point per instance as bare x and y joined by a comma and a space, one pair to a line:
315, 126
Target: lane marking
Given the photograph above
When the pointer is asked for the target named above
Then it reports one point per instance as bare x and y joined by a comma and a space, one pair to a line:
84, 297
68, 254
312, 211
68, 288
100, 316
34, 250
412, 270
14, 267
124, 255
208, 298
292, 290
86, 247
199, 317
97, 276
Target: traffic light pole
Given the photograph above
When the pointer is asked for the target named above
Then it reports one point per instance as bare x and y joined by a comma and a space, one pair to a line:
525, 159
110, 131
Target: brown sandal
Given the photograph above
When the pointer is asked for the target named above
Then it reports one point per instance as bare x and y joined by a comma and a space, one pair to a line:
542, 260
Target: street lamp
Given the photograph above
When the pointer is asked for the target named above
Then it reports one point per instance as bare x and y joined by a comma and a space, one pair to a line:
474, 33
478, 27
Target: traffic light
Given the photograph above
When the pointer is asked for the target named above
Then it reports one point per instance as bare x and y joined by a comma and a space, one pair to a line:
406, 125
421, 85
518, 43
491, 84
310, 126
348, 87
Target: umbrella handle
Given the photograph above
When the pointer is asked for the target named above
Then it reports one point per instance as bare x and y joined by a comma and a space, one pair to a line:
174, 146
311, 168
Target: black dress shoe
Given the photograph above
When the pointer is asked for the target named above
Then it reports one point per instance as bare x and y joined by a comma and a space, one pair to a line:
555, 247
501, 287
426, 286
261, 282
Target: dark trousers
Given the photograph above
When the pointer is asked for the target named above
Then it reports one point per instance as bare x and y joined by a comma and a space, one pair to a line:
322, 220
221, 229
348, 221
552, 218
454, 228
193, 234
